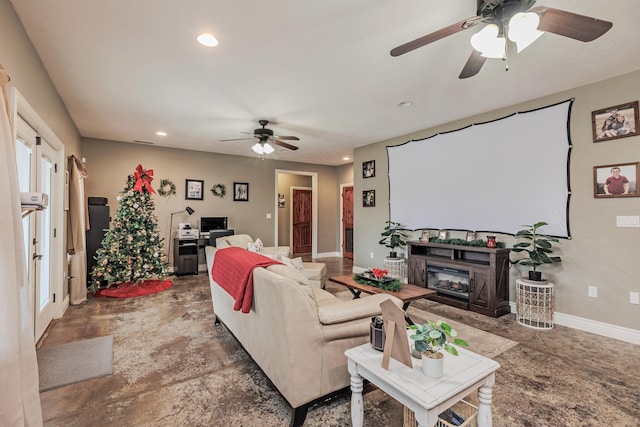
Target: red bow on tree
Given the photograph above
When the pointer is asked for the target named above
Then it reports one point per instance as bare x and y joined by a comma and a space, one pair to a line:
143, 178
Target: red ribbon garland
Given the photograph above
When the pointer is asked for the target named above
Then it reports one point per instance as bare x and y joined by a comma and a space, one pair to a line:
143, 178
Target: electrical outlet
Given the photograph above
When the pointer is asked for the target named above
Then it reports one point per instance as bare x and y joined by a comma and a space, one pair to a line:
634, 297
593, 291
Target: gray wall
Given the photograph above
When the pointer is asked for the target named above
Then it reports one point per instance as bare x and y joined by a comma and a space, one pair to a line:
109, 163
599, 253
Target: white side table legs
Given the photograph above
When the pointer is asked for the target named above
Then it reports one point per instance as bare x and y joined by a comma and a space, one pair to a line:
485, 393
357, 404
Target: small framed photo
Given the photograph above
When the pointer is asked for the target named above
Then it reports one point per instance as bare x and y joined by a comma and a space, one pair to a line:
281, 200
442, 235
369, 169
193, 189
619, 180
615, 122
240, 191
471, 236
426, 234
369, 198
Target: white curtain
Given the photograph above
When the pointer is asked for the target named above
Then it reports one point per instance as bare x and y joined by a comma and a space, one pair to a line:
78, 219
20, 402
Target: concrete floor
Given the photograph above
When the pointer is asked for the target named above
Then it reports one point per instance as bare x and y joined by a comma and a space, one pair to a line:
172, 366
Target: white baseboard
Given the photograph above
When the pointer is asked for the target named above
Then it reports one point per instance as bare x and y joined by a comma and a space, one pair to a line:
329, 255
593, 326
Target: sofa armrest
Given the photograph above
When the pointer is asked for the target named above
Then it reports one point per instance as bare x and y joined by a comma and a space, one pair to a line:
359, 308
275, 251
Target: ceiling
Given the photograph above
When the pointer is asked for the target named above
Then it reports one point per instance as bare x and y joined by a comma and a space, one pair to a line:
319, 70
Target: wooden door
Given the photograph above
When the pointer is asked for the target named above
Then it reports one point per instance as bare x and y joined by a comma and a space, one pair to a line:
302, 221
347, 222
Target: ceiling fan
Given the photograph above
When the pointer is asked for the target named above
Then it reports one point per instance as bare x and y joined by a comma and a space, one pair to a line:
515, 19
264, 137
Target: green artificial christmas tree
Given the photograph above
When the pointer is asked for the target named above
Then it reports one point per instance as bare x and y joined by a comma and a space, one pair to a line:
132, 250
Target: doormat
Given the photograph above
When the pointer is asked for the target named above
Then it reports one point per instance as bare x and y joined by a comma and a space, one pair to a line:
74, 362
132, 289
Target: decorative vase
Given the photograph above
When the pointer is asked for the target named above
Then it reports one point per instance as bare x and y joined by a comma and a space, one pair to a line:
431, 366
536, 276
491, 242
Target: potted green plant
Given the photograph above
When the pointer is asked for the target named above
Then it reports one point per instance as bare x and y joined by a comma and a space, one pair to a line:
538, 248
393, 237
429, 339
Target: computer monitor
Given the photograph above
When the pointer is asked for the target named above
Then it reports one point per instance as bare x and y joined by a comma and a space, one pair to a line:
208, 223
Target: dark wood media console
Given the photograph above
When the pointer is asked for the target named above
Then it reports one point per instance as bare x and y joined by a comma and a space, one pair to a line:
485, 272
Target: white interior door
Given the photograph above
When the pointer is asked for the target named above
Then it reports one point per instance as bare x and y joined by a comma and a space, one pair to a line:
37, 165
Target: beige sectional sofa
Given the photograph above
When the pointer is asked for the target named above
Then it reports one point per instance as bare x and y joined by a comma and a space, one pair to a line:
297, 333
316, 272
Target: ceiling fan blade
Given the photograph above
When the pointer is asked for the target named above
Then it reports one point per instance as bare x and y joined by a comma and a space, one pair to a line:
284, 144
435, 36
569, 24
288, 138
473, 65
237, 139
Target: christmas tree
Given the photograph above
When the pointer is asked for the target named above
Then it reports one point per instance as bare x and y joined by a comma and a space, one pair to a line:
132, 250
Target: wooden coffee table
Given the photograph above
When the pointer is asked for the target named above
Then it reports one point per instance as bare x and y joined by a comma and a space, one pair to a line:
407, 292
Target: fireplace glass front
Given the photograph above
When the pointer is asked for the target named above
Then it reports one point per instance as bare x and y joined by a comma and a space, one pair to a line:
449, 281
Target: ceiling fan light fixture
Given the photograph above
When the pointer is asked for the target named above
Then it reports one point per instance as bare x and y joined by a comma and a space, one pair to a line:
268, 149
257, 148
523, 29
487, 42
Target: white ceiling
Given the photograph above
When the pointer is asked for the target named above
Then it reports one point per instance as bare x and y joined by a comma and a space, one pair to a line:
320, 70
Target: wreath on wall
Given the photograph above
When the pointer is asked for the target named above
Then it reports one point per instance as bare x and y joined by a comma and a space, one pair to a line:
166, 188
219, 190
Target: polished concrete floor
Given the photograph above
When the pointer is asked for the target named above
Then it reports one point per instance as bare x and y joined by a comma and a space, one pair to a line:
177, 368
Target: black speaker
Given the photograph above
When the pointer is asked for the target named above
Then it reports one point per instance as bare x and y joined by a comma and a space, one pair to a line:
98, 226
99, 201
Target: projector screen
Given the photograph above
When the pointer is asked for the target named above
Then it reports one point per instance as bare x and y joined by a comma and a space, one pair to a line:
488, 177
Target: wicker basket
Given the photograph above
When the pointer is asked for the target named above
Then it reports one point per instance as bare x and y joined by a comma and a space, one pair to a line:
466, 410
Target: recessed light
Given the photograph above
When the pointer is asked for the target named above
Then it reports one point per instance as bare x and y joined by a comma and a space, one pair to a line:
161, 133
405, 104
208, 40
346, 158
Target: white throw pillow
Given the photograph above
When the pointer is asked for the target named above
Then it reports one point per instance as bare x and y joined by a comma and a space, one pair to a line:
288, 272
251, 247
295, 262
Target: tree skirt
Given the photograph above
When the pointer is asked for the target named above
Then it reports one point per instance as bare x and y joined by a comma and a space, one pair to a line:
132, 289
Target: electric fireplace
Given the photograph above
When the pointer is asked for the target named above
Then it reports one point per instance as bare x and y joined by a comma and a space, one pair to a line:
452, 282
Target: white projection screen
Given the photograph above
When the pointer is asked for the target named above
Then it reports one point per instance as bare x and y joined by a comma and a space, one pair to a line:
489, 177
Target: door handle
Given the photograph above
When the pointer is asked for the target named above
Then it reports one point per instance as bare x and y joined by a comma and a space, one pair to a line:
36, 257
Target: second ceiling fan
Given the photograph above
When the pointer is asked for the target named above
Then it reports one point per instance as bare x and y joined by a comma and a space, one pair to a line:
264, 137
516, 19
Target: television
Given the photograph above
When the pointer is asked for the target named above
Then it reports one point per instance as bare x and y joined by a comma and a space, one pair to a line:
209, 223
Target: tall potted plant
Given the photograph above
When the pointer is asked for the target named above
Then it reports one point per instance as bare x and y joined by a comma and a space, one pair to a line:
393, 237
538, 248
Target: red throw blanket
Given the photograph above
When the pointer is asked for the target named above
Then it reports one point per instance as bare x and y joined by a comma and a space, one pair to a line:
233, 270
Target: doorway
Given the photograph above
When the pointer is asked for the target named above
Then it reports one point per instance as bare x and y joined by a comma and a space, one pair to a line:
40, 162
283, 201
301, 219
347, 221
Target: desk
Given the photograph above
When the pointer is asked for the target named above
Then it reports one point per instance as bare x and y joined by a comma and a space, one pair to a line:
426, 397
407, 292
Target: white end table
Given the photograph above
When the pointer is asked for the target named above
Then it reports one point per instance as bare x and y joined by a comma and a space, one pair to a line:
534, 304
426, 397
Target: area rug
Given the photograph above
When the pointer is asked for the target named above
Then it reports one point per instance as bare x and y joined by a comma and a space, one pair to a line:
76, 361
132, 289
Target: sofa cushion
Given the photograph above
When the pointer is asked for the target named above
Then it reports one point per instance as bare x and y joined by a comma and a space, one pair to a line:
329, 313
239, 240
293, 262
289, 272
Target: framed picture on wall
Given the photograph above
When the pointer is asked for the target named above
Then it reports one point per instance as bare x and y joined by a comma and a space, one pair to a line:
281, 200
443, 234
615, 122
240, 191
193, 189
426, 234
619, 180
369, 169
368, 198
471, 236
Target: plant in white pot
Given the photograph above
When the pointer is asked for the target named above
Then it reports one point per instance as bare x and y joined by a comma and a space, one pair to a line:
393, 237
538, 248
429, 339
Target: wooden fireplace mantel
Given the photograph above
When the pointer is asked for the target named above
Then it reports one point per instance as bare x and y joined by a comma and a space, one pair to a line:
488, 274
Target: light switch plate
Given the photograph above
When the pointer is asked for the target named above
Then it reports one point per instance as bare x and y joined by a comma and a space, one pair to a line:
628, 221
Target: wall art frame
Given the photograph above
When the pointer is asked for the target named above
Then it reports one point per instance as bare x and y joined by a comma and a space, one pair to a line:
616, 180
194, 189
240, 191
369, 198
369, 169
619, 121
